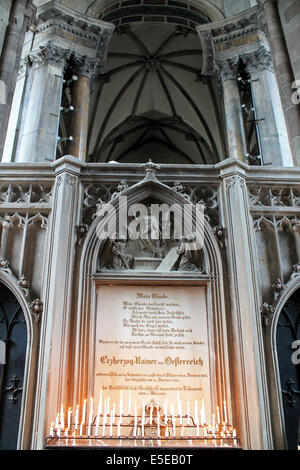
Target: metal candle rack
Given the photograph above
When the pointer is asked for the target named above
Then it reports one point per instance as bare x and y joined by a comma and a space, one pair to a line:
143, 430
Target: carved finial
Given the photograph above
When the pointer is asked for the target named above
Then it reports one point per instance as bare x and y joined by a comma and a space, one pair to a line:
36, 308
150, 169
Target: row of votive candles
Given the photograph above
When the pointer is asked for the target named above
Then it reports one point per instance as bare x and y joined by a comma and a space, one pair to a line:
105, 426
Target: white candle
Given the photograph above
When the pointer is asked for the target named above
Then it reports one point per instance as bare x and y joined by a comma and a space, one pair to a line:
69, 417
158, 424
196, 411
151, 412
62, 420
83, 412
166, 411
57, 421
182, 431
135, 420
180, 412
143, 418
129, 403
173, 420
188, 412
198, 428
121, 405
202, 413
213, 424
103, 425
119, 428
100, 404
90, 415
76, 417
225, 411
111, 424
167, 431
218, 415
97, 425
178, 402
80, 431
51, 433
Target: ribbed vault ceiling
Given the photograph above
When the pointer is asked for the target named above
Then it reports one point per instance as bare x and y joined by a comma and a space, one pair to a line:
153, 101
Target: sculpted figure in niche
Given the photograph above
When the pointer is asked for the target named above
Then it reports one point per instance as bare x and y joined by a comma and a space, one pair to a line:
121, 260
150, 239
188, 256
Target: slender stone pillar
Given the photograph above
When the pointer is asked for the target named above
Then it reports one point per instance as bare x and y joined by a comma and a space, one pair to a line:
233, 113
80, 116
273, 136
9, 62
284, 73
39, 124
55, 362
245, 331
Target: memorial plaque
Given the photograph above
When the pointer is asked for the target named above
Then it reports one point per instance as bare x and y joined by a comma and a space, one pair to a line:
152, 344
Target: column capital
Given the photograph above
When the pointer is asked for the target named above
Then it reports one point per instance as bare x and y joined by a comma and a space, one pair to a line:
50, 54
227, 69
261, 59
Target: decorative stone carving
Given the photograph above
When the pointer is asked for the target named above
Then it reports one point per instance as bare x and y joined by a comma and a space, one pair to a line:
187, 256
121, 260
82, 230
260, 59
179, 188
267, 312
123, 186
227, 69
24, 284
4, 265
36, 309
50, 54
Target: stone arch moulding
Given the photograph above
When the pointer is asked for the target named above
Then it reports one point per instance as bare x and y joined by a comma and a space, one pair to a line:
28, 396
286, 291
86, 313
206, 6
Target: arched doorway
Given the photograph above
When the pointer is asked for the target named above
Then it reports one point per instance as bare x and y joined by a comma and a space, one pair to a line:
288, 331
13, 343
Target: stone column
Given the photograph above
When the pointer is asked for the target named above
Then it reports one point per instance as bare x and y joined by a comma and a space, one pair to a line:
227, 70
10, 58
271, 124
284, 73
55, 361
80, 101
37, 139
245, 329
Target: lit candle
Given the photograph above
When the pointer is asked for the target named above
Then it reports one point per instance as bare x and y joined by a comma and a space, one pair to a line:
178, 402
166, 411
57, 421
202, 413
173, 419
103, 425
51, 433
100, 404
151, 412
213, 424
69, 417
196, 411
62, 420
188, 412
58, 431
111, 423
198, 428
225, 411
76, 417
121, 405
80, 431
167, 431
182, 431
218, 415
158, 424
135, 420
143, 418
90, 415
97, 425
129, 403
83, 412
180, 412
119, 428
